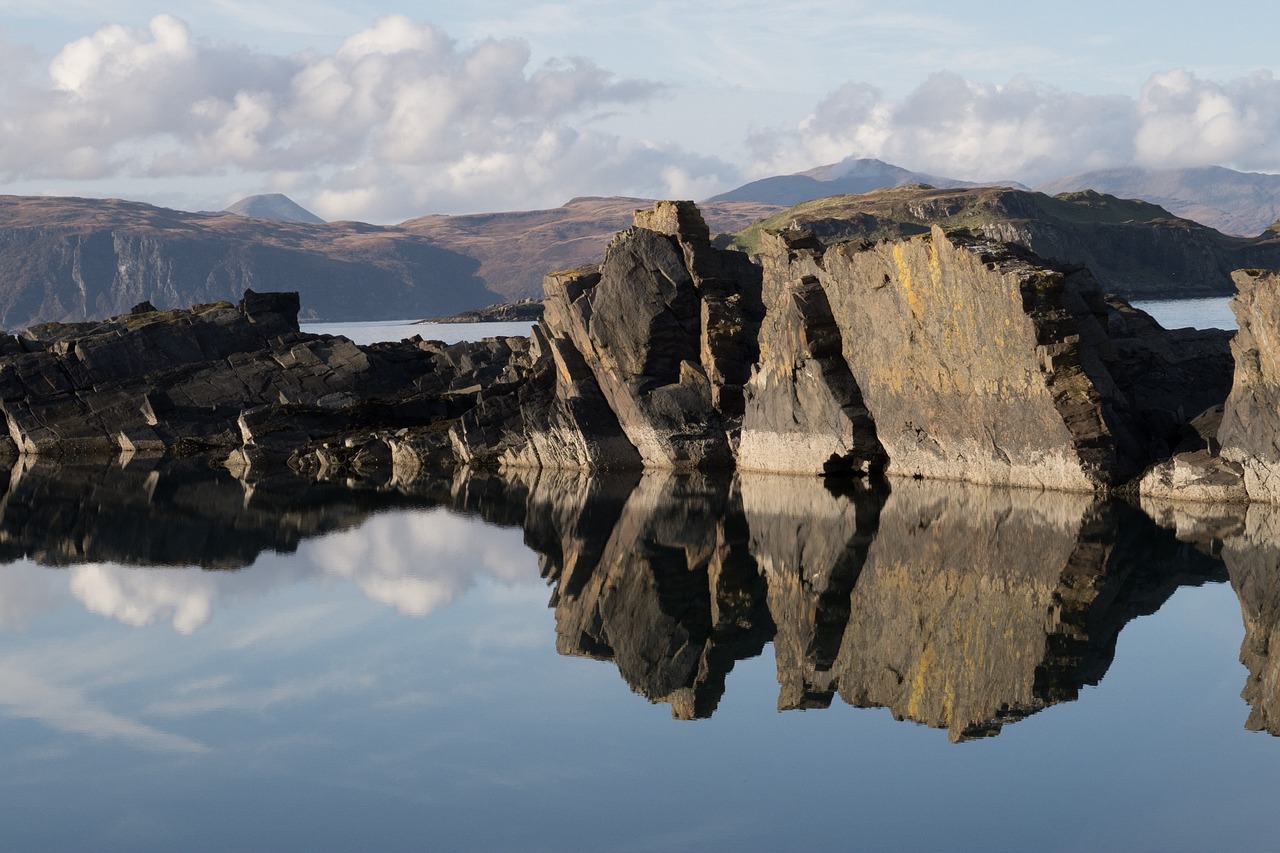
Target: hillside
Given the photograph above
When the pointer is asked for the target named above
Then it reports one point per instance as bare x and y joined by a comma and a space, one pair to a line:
70, 259
516, 249
1134, 248
1241, 203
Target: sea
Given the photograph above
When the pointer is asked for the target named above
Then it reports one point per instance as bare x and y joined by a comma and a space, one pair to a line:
190, 662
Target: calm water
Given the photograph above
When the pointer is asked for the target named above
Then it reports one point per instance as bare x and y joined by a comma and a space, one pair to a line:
548, 663
552, 663
1210, 313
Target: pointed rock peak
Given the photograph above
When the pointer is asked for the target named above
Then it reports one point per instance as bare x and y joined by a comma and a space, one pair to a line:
275, 206
680, 219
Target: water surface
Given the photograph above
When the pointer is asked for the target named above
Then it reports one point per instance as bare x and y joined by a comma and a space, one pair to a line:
554, 663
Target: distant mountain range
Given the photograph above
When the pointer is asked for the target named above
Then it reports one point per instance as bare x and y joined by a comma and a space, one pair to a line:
71, 259
851, 175
67, 259
1241, 203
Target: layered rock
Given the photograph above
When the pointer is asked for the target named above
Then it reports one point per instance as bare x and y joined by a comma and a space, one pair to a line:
652, 346
226, 378
973, 362
1250, 431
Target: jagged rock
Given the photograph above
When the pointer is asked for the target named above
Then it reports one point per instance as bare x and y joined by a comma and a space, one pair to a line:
804, 409
244, 380
936, 356
1250, 432
641, 360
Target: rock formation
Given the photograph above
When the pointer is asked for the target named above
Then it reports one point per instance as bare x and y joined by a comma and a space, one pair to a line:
964, 360
1238, 458
933, 356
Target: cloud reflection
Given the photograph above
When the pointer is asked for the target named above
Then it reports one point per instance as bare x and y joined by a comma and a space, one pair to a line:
67, 709
414, 562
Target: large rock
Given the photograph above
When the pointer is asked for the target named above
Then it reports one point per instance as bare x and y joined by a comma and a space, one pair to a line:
653, 346
974, 361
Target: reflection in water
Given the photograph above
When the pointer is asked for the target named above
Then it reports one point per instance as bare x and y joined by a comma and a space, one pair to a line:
956, 606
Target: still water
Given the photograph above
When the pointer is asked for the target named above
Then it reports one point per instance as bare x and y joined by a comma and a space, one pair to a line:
659, 663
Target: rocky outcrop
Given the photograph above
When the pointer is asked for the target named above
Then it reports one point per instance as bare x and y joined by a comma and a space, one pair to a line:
963, 360
241, 379
1251, 419
646, 355
934, 356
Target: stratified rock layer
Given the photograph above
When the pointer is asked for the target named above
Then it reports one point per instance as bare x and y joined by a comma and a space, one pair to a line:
1250, 432
960, 360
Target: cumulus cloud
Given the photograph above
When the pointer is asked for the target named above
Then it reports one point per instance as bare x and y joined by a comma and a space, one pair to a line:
400, 119
1029, 131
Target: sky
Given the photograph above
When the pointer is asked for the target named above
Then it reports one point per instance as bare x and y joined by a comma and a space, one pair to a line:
382, 112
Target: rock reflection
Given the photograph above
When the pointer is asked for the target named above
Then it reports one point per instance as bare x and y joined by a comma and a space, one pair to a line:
1252, 555
659, 580
171, 513
956, 606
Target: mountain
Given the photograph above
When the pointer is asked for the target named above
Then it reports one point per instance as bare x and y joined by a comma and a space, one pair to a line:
851, 175
273, 206
1136, 249
71, 259
1242, 203
516, 249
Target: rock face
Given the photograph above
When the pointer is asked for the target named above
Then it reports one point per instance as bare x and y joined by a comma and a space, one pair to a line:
649, 352
1250, 431
239, 379
963, 360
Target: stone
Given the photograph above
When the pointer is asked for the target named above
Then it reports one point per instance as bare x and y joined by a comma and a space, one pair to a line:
1250, 431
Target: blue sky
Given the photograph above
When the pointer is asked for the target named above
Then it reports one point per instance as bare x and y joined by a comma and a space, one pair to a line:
382, 112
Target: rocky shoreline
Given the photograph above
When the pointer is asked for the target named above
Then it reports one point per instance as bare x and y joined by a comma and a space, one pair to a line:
937, 356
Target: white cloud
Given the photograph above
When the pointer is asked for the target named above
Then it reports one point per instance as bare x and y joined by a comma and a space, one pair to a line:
1029, 131
139, 597
1185, 121
397, 121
